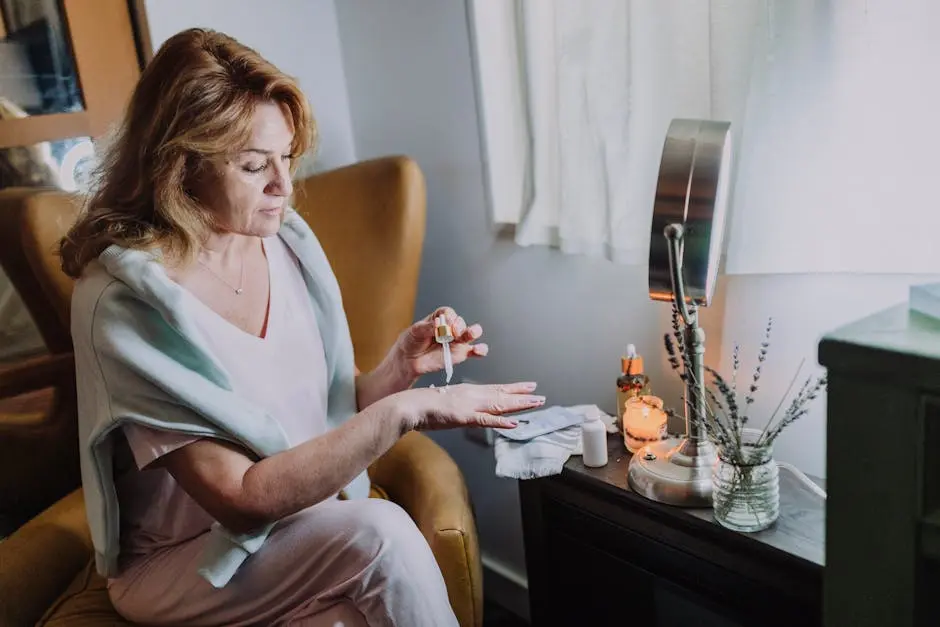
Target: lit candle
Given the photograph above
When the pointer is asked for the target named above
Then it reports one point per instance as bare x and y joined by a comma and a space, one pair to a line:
644, 421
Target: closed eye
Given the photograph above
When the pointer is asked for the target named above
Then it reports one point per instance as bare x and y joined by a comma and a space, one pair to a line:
261, 167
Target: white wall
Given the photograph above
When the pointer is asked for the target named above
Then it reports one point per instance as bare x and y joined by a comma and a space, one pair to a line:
562, 321
299, 36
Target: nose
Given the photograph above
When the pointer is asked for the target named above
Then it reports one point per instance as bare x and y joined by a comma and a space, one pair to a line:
280, 183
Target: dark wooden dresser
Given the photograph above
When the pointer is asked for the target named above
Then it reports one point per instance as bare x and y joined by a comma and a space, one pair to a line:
883, 467
599, 554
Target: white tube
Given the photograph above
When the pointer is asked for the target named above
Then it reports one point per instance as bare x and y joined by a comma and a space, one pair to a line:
809, 483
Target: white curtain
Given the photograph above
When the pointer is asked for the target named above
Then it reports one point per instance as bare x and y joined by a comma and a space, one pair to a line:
833, 106
576, 96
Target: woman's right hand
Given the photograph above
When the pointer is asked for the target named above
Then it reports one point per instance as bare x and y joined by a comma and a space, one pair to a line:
464, 405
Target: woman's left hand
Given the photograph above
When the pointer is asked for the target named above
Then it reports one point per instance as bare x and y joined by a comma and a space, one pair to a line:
418, 353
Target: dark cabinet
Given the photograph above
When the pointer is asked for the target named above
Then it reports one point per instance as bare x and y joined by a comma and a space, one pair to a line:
598, 554
883, 471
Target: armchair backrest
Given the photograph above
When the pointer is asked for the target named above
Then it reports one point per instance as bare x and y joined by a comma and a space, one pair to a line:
370, 220
31, 223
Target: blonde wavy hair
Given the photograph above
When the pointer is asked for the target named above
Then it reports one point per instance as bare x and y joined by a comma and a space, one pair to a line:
193, 104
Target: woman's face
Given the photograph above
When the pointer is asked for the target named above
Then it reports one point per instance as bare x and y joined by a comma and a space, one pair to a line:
248, 192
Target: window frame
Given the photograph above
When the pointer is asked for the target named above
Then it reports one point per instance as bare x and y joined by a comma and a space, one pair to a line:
104, 37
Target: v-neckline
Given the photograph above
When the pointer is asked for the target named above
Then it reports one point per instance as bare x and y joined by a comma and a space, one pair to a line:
269, 311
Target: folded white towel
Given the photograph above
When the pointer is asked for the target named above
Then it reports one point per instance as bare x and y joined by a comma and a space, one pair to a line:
545, 454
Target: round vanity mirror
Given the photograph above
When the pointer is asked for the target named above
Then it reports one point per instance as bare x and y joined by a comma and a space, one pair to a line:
691, 193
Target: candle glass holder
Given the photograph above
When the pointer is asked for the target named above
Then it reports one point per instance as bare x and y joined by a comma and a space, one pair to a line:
644, 422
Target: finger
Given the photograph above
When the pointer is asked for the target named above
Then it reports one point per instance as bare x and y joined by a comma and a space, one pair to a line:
469, 334
510, 403
448, 312
522, 387
460, 352
459, 327
422, 330
489, 420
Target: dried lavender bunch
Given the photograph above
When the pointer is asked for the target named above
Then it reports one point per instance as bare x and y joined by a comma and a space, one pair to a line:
680, 340
728, 393
725, 419
711, 423
796, 410
679, 354
673, 356
716, 422
790, 387
735, 366
761, 357
715, 428
678, 359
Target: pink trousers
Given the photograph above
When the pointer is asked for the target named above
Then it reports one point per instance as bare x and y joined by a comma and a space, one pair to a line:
347, 563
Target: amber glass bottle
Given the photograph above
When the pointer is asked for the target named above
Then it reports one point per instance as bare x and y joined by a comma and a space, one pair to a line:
632, 380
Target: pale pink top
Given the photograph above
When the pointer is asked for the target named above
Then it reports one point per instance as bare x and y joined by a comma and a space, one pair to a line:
283, 372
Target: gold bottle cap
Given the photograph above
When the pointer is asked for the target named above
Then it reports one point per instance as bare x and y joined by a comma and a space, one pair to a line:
442, 331
631, 365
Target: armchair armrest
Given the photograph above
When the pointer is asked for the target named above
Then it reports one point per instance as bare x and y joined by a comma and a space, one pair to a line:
37, 373
41, 558
39, 455
425, 481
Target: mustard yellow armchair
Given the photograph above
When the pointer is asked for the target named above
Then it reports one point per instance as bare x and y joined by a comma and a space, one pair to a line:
370, 219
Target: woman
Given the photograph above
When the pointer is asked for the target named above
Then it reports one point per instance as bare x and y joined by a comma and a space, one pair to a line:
225, 430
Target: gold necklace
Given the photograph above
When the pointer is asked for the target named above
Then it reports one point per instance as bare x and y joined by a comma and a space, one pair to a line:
238, 290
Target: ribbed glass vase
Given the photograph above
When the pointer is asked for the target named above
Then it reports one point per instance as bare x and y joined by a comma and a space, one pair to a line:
746, 485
